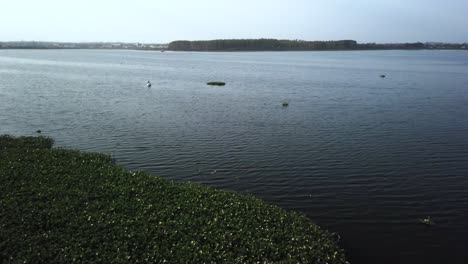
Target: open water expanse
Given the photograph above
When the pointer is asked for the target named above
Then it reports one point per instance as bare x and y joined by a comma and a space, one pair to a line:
361, 155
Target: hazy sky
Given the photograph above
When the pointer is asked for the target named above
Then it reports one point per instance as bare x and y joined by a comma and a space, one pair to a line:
161, 21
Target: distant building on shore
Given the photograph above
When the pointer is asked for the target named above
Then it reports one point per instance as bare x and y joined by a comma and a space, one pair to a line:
87, 45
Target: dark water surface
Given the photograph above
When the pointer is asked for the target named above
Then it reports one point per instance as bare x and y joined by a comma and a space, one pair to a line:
361, 155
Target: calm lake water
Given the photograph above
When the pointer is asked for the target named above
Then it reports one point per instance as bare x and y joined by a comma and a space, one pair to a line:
361, 155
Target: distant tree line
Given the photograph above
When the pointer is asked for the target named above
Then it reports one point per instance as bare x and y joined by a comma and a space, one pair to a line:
298, 45
260, 45
416, 45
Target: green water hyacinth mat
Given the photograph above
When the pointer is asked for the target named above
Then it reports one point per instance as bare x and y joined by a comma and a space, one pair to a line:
64, 206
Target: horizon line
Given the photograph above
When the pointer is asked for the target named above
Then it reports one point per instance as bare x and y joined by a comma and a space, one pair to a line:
165, 43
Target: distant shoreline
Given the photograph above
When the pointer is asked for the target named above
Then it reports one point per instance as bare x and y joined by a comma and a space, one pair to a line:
81, 45
234, 51
237, 45
300, 45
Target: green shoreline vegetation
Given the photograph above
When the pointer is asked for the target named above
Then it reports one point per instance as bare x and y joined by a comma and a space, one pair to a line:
63, 206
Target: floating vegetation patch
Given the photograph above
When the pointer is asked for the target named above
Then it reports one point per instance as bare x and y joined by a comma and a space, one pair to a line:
216, 83
64, 206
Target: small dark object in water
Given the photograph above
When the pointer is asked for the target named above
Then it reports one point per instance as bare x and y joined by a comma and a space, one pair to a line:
216, 83
39, 131
382, 76
285, 104
427, 221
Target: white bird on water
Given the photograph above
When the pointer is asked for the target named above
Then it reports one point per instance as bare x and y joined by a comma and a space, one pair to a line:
148, 84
